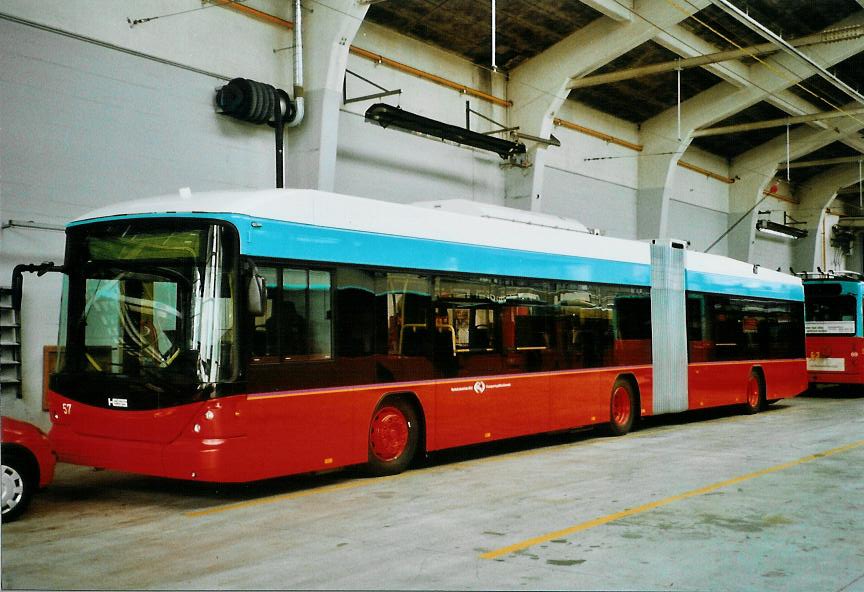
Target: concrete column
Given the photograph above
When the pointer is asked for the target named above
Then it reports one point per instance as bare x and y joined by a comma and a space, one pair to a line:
524, 184
657, 167
539, 86
815, 197
310, 148
743, 195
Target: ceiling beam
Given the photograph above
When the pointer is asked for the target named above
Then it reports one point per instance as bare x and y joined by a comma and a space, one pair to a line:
823, 162
686, 44
617, 10
767, 33
849, 189
537, 86
768, 123
854, 142
828, 36
724, 100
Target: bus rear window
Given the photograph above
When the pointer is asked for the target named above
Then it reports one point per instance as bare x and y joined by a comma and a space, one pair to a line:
833, 315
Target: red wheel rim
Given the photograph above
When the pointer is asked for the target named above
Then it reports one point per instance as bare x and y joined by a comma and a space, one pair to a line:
621, 406
753, 391
389, 434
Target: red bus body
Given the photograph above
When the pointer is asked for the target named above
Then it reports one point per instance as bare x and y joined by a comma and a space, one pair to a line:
848, 349
532, 372
833, 307
247, 438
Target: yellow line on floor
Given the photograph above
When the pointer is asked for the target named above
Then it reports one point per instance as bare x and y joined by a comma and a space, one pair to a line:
558, 534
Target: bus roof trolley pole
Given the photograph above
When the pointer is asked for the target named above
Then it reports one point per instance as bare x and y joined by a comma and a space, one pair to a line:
18, 277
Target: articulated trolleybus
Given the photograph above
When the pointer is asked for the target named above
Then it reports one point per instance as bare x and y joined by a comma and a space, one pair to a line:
230, 337
835, 336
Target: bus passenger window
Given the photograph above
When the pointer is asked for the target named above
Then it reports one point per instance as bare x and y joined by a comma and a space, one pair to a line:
319, 314
296, 323
402, 310
293, 312
355, 309
265, 338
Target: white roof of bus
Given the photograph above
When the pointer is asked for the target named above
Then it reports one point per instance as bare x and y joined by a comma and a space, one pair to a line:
332, 210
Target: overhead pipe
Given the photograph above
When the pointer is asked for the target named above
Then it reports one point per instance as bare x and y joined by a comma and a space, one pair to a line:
254, 13
299, 101
380, 59
767, 33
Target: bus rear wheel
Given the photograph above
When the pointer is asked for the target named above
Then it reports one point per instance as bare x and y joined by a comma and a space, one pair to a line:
622, 408
755, 394
394, 433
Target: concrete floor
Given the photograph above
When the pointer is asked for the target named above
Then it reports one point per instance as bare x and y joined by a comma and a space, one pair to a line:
704, 501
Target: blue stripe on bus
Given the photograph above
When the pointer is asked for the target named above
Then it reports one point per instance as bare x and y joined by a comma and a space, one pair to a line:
698, 281
315, 243
291, 240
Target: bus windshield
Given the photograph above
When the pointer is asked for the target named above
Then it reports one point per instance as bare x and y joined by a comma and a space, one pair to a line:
149, 305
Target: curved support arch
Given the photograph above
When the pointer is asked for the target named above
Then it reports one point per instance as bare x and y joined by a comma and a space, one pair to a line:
817, 196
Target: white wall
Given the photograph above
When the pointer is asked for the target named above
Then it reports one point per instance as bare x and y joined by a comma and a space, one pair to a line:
84, 125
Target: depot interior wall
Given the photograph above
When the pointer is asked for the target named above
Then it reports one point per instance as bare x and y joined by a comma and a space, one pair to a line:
591, 179
84, 125
699, 204
398, 166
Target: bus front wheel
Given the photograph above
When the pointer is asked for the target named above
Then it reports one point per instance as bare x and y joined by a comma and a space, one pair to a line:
755, 393
394, 433
622, 408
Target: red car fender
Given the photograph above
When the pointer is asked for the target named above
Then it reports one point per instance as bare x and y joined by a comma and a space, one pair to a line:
34, 440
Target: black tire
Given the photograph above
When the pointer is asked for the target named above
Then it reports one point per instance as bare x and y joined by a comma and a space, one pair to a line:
394, 434
755, 395
623, 408
19, 481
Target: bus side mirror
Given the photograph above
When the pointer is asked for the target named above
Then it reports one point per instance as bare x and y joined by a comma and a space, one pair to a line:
256, 294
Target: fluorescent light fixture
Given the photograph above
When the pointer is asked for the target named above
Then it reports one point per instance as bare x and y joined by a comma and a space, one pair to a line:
782, 230
390, 116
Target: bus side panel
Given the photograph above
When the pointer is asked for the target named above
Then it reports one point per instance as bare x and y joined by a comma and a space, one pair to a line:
583, 398
315, 430
301, 432
784, 378
480, 409
835, 360
715, 384
518, 406
458, 416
